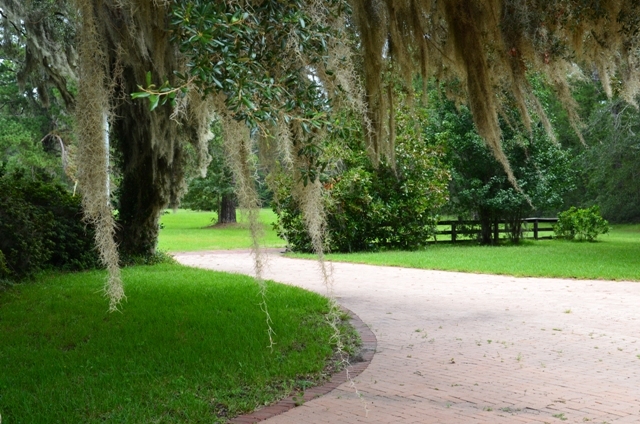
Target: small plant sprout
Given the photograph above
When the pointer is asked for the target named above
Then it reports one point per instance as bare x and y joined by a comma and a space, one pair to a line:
567, 311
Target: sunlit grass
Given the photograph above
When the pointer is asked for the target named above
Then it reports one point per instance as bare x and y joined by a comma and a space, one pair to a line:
188, 346
615, 256
187, 230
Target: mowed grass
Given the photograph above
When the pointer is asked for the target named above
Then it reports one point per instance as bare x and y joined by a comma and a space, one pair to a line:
186, 230
615, 256
188, 346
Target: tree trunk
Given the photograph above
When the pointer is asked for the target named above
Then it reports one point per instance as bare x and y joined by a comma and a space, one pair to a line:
486, 226
227, 209
147, 145
151, 172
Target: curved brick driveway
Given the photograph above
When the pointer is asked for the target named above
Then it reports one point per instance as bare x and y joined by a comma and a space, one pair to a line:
467, 348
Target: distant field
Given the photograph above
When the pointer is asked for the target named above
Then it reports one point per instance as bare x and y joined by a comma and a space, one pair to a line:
187, 230
615, 256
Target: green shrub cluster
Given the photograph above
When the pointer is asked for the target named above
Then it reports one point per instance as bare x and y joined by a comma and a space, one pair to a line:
581, 224
370, 208
41, 227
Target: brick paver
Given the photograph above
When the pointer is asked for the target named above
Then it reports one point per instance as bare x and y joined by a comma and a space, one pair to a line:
470, 348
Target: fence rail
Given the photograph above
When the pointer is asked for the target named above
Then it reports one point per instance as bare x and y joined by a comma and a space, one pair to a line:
461, 227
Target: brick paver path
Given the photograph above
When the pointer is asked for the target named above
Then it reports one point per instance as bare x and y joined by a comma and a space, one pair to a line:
468, 348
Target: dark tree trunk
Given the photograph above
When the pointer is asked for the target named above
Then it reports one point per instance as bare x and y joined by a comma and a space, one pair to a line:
151, 171
148, 145
515, 226
486, 226
227, 209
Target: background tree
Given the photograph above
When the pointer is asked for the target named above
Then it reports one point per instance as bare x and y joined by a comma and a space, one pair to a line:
36, 130
480, 188
215, 191
608, 165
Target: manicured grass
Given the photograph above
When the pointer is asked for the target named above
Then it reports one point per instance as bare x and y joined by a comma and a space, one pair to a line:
615, 256
188, 346
187, 230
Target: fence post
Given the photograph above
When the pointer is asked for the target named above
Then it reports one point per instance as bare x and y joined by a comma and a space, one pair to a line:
453, 232
535, 229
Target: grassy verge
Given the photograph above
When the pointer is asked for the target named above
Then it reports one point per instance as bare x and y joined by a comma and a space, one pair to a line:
188, 346
616, 256
187, 230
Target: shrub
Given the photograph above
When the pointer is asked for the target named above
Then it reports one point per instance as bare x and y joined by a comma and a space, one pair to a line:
581, 224
41, 227
371, 208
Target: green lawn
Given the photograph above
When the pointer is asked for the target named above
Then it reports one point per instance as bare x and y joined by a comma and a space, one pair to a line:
188, 346
187, 230
615, 256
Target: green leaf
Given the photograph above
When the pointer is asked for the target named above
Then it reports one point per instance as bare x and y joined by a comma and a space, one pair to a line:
153, 101
139, 95
148, 78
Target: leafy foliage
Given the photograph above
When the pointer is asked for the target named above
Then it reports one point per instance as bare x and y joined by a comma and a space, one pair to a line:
372, 208
609, 164
205, 193
480, 188
32, 137
41, 227
581, 224
238, 50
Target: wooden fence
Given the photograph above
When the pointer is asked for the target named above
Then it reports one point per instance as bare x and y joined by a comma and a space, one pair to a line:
530, 225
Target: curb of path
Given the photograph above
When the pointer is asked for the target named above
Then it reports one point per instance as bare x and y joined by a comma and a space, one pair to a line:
367, 350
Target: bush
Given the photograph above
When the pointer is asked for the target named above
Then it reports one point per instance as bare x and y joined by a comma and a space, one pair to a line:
581, 224
370, 208
41, 227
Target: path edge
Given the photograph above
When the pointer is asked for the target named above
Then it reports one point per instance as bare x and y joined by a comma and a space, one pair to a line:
367, 350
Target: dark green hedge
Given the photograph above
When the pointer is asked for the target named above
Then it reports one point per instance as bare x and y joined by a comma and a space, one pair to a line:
41, 227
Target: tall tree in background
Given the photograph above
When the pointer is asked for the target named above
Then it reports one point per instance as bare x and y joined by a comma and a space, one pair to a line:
479, 187
609, 165
215, 191
36, 127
